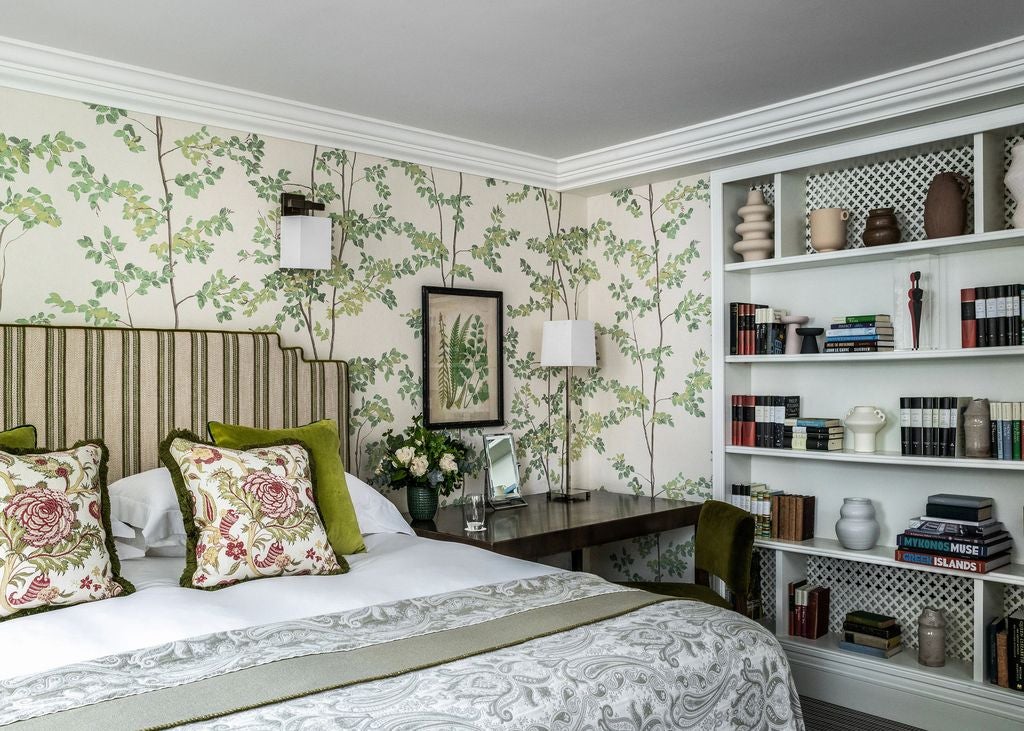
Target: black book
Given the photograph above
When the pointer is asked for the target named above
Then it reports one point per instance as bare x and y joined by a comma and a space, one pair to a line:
833, 431
778, 421
758, 421
905, 447
1002, 322
1014, 314
733, 326
997, 625
928, 426
1015, 643
957, 512
981, 314
884, 632
945, 419
916, 426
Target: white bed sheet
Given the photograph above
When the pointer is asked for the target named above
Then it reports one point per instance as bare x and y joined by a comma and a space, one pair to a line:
394, 567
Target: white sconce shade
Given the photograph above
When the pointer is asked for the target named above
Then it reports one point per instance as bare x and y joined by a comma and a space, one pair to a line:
305, 242
568, 343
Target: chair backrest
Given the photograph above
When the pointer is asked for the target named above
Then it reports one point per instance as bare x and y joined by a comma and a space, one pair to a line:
725, 544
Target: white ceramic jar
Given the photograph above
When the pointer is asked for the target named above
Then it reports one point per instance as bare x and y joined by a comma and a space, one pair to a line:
864, 422
857, 529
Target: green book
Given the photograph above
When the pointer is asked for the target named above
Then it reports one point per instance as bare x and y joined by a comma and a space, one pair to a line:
862, 318
1015, 430
870, 619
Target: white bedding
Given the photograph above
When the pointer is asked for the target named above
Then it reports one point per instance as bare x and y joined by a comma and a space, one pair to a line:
394, 567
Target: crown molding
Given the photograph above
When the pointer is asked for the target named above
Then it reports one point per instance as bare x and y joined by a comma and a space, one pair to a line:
928, 87
46, 70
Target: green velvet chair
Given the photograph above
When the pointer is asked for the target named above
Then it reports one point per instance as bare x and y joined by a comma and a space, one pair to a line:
724, 546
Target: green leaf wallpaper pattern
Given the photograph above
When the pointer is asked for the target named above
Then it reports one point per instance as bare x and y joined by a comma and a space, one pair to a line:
114, 218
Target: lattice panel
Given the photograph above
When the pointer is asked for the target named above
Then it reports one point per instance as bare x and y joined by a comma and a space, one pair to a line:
901, 183
1013, 599
902, 593
1009, 204
767, 190
767, 585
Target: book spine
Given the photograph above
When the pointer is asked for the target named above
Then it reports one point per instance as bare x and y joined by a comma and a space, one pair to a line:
1002, 659
991, 310
943, 427
927, 423
1006, 429
852, 319
916, 425
905, 425
970, 565
1015, 433
734, 328
865, 337
1015, 639
748, 421
960, 548
981, 315
850, 332
1002, 317
968, 323
995, 440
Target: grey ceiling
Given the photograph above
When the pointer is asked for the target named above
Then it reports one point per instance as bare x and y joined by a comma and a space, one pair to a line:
554, 77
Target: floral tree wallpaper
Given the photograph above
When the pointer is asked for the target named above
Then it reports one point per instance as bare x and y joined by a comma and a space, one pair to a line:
113, 218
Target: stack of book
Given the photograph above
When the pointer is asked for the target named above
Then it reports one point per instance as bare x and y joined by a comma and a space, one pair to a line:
1004, 652
756, 500
791, 517
756, 329
808, 610
958, 532
932, 426
759, 421
871, 634
860, 334
1007, 434
813, 434
991, 316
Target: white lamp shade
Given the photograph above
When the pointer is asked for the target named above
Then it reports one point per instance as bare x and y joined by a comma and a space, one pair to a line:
305, 242
568, 343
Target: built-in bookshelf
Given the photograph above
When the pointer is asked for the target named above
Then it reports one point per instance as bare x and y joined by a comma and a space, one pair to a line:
893, 169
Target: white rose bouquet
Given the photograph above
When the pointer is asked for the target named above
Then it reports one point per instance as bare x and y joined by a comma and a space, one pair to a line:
421, 457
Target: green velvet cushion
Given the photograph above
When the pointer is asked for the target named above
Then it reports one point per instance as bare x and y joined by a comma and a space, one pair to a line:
331, 491
20, 437
683, 591
724, 544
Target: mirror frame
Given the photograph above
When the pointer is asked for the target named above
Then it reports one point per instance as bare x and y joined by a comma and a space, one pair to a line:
515, 500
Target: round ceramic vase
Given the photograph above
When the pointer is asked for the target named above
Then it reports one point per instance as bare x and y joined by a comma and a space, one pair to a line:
931, 638
1014, 181
977, 432
857, 529
881, 227
422, 502
945, 206
864, 422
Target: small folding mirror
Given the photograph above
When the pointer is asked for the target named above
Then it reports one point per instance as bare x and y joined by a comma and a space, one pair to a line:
503, 488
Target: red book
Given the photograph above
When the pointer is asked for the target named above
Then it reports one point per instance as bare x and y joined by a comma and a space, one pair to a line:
737, 416
968, 319
958, 563
748, 435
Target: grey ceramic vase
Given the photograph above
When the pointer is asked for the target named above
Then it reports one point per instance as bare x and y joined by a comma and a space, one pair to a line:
857, 529
931, 638
977, 432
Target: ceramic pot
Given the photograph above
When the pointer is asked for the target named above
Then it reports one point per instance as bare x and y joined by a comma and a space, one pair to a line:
422, 502
828, 229
881, 227
945, 207
864, 422
977, 434
857, 529
810, 338
756, 231
1014, 181
931, 638
793, 323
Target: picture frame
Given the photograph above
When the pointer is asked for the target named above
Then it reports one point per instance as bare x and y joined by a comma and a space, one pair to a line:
463, 376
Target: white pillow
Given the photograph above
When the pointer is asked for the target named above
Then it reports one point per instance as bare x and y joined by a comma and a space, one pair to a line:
375, 513
147, 501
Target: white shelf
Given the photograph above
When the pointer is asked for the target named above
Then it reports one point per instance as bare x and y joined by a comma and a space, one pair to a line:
944, 354
883, 458
949, 245
884, 556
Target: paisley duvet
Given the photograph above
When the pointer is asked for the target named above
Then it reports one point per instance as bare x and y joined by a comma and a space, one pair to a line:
558, 651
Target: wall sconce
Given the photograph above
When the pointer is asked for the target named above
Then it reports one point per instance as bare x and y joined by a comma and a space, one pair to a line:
305, 239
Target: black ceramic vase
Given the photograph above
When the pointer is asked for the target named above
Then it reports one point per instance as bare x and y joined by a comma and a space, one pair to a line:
810, 338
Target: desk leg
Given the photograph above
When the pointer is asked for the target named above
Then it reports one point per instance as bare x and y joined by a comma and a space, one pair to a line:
576, 558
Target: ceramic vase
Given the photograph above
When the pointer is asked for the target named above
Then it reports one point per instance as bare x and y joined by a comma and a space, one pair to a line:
793, 323
945, 206
422, 502
857, 529
977, 430
809, 345
1014, 181
865, 423
828, 229
756, 231
881, 227
931, 638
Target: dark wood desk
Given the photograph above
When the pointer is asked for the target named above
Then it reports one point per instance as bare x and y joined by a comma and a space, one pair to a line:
544, 528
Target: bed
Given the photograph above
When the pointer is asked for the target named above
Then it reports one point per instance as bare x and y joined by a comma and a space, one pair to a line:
419, 633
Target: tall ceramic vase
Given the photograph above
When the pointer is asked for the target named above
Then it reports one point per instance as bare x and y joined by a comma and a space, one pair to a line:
857, 529
1014, 181
422, 502
757, 229
945, 206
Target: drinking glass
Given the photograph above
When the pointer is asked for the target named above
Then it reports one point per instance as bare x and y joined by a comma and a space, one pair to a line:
473, 512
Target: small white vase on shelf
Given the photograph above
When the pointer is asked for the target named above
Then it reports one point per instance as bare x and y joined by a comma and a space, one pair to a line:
792, 322
857, 529
757, 229
1014, 181
864, 422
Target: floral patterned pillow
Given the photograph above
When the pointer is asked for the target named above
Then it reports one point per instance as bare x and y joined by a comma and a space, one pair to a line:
56, 547
248, 514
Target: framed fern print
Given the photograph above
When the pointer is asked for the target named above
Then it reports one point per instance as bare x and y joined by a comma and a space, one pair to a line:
463, 358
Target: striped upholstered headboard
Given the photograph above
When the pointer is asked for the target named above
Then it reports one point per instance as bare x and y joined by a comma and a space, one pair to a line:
130, 387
